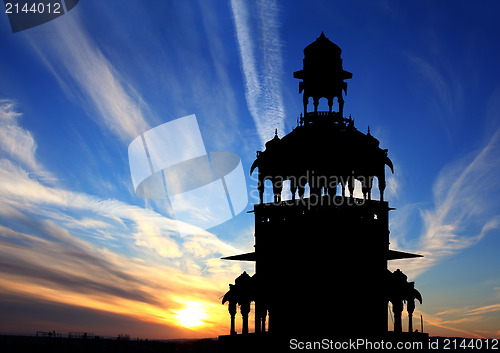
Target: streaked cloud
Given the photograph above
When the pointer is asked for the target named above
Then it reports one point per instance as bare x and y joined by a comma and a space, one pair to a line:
458, 320
76, 60
463, 212
84, 276
50, 263
261, 63
484, 309
448, 328
135, 265
446, 89
23, 193
393, 187
16, 142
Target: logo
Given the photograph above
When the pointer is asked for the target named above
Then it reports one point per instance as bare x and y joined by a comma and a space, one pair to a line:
170, 162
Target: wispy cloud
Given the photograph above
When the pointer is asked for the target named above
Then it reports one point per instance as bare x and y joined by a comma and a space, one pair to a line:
74, 58
146, 277
466, 207
76, 273
84, 71
139, 268
16, 142
150, 228
458, 320
446, 91
484, 310
450, 328
261, 61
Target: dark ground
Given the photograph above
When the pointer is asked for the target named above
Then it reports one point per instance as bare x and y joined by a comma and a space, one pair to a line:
31, 344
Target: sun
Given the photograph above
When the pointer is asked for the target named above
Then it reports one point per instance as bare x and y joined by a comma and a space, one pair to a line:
191, 316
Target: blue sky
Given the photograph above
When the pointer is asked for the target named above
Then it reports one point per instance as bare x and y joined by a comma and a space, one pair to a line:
81, 252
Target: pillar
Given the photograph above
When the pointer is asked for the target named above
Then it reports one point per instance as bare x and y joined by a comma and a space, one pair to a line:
257, 318
269, 327
397, 309
232, 312
245, 310
260, 318
410, 307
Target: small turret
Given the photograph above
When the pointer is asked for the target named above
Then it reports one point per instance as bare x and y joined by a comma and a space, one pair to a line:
322, 75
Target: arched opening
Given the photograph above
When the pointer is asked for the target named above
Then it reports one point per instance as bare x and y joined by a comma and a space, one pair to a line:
286, 193
323, 105
268, 191
309, 104
335, 107
307, 191
375, 190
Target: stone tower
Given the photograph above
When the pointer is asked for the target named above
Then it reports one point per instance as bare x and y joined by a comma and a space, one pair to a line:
322, 243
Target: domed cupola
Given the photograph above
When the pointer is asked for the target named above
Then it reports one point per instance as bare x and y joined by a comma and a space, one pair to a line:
322, 75
323, 46
275, 141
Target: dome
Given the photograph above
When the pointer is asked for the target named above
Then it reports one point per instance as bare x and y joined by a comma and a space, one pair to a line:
322, 44
275, 140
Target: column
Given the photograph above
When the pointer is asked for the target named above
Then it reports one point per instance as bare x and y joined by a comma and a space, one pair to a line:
257, 318
245, 310
397, 309
232, 312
